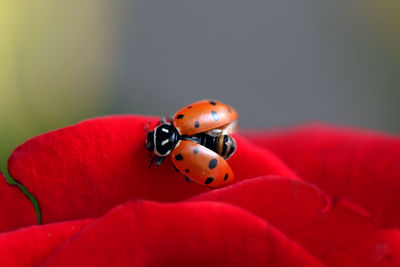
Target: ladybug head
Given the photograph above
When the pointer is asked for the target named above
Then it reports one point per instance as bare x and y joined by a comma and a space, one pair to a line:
162, 140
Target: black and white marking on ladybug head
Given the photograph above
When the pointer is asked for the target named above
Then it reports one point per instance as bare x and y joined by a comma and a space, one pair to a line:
165, 138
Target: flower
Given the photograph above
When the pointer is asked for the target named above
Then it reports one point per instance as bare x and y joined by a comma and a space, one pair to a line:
314, 195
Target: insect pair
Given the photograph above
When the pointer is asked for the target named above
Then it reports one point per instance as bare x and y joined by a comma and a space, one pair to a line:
198, 141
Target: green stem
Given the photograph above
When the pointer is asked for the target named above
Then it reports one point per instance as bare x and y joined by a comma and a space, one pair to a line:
35, 203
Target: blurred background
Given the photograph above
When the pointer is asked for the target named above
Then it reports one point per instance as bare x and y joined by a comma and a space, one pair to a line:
277, 62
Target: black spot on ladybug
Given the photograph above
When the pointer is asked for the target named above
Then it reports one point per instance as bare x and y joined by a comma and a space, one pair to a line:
226, 176
195, 150
215, 115
212, 103
229, 110
180, 116
212, 164
187, 179
209, 180
189, 106
187, 170
196, 124
179, 157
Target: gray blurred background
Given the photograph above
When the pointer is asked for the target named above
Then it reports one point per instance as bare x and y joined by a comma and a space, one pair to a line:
277, 62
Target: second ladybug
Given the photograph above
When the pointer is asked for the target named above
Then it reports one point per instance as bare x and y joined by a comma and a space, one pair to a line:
198, 141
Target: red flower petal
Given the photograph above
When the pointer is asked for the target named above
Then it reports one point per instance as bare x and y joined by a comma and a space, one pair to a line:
83, 170
184, 234
15, 209
251, 161
30, 246
387, 248
337, 236
363, 166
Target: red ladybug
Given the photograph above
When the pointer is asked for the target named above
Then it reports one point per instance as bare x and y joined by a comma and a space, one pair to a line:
198, 140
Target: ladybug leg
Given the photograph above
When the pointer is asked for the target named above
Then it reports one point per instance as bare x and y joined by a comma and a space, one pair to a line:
187, 179
159, 161
151, 161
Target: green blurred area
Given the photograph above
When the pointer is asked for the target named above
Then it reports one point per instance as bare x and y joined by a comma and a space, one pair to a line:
54, 64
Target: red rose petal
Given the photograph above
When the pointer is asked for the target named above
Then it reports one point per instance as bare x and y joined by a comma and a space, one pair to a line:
15, 208
84, 170
387, 248
338, 237
30, 246
183, 234
363, 166
251, 161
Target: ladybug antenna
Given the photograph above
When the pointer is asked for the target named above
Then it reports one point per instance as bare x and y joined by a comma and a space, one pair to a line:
162, 120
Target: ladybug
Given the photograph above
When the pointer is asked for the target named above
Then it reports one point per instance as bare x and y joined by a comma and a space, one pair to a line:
198, 141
